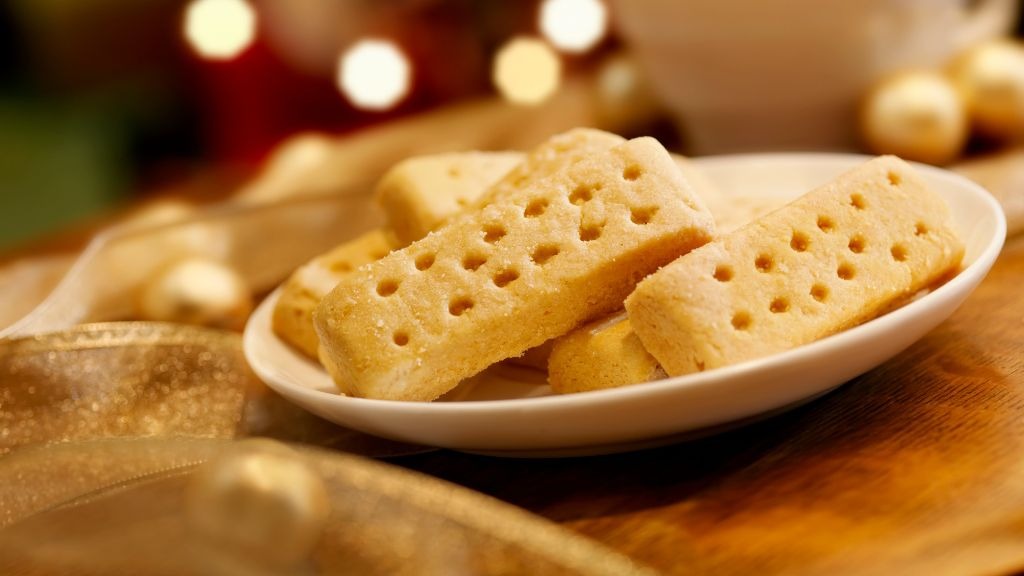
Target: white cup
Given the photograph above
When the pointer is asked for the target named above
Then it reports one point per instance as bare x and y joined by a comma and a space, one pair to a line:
787, 74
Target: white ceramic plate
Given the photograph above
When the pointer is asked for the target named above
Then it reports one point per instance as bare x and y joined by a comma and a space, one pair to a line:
511, 412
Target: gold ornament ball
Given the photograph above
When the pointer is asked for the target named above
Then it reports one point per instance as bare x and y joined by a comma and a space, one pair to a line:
260, 501
917, 116
196, 291
991, 78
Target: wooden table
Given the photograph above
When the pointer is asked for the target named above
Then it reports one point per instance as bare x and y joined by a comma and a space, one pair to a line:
914, 468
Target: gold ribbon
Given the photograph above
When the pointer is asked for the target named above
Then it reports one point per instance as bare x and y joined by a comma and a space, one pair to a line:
105, 428
142, 379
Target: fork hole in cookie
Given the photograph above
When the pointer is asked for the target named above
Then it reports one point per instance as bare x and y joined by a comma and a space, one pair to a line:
387, 287
543, 253
894, 178
920, 229
632, 172
846, 271
723, 273
857, 244
741, 320
458, 306
494, 232
642, 214
581, 194
764, 263
899, 252
400, 338
779, 305
858, 201
535, 208
590, 232
424, 261
825, 224
505, 277
819, 292
799, 242
473, 260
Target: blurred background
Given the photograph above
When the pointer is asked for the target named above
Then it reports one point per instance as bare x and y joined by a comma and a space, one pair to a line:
106, 102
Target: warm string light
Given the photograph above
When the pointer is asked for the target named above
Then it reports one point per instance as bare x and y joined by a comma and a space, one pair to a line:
526, 71
573, 26
374, 74
219, 29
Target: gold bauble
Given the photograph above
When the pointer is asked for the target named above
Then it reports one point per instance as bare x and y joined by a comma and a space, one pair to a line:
196, 291
917, 116
259, 501
991, 78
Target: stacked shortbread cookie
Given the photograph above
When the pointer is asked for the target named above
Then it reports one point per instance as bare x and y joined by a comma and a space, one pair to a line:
532, 264
421, 193
486, 256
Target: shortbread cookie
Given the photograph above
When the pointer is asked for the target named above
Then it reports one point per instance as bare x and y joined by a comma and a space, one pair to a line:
293, 314
603, 354
835, 257
533, 264
420, 193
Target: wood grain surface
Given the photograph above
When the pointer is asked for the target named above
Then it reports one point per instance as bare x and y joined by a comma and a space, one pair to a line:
914, 468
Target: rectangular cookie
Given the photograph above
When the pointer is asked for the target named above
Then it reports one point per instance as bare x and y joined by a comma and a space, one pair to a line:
292, 319
536, 262
833, 258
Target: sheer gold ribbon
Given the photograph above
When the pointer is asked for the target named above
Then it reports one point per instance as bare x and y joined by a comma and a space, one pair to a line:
140, 379
262, 242
104, 426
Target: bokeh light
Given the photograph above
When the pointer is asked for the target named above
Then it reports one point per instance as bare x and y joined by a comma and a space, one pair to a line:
526, 71
374, 74
573, 25
219, 29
